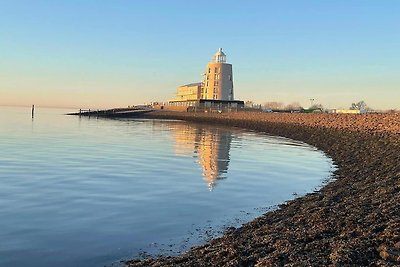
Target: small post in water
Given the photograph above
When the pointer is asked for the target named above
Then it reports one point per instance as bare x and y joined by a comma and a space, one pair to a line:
33, 110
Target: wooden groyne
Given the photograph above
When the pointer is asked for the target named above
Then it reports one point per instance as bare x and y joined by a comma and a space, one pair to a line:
111, 113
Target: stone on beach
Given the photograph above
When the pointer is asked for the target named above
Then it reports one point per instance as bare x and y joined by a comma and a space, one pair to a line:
352, 221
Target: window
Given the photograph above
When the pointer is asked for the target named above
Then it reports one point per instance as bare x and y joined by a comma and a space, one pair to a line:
209, 70
230, 77
216, 70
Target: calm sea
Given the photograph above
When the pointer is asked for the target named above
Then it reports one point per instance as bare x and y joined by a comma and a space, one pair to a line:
91, 192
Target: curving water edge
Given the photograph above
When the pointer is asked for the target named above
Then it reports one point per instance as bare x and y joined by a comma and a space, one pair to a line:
86, 192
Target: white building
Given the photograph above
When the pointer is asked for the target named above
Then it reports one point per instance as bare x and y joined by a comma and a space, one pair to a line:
218, 79
216, 90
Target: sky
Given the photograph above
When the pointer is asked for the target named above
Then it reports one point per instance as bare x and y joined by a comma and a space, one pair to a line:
99, 54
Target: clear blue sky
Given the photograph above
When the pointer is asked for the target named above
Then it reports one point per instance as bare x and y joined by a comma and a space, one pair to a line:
117, 53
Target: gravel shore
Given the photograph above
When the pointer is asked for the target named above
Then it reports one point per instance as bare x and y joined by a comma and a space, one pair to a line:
352, 221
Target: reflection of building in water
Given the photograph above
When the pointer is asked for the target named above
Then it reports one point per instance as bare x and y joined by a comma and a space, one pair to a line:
213, 153
211, 145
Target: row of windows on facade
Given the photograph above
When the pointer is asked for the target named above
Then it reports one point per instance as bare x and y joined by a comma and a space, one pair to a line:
216, 77
184, 103
188, 97
215, 83
204, 93
185, 91
205, 90
215, 96
215, 70
207, 104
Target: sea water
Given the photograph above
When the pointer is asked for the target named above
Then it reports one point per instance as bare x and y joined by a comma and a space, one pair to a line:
78, 191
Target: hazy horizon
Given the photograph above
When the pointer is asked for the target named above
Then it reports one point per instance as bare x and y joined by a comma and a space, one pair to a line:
85, 54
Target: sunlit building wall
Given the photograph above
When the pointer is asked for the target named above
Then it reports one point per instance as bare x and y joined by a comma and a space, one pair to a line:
188, 92
216, 86
218, 79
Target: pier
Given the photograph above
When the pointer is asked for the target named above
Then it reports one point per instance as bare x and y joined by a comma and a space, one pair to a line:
111, 113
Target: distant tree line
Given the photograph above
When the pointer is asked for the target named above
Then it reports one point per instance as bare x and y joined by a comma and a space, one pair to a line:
281, 106
317, 107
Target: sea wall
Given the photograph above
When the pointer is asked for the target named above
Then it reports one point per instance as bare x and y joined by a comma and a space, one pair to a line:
352, 221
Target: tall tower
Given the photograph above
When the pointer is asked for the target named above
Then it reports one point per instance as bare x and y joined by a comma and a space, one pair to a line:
218, 79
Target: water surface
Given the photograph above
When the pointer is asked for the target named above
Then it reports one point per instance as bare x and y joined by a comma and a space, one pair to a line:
89, 192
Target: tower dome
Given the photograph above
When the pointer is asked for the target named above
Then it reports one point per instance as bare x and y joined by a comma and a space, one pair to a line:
220, 56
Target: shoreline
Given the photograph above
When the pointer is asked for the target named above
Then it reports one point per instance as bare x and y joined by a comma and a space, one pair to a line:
353, 220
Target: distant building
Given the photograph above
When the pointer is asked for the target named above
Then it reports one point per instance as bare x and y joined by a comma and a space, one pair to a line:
346, 111
216, 90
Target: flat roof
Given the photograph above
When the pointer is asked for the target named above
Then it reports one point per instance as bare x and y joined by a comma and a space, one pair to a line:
191, 84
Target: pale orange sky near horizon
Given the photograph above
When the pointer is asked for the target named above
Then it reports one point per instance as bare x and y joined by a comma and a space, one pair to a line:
106, 95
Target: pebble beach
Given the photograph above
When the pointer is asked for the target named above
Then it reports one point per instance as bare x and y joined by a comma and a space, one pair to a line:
352, 221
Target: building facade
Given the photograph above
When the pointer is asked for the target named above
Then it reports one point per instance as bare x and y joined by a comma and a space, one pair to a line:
215, 92
189, 92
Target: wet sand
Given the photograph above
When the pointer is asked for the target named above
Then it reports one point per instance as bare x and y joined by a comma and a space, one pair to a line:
352, 221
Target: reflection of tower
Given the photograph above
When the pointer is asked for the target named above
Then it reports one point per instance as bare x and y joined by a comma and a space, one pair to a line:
218, 79
210, 144
186, 138
214, 154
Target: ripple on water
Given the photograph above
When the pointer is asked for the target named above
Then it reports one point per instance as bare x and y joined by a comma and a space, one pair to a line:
87, 192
